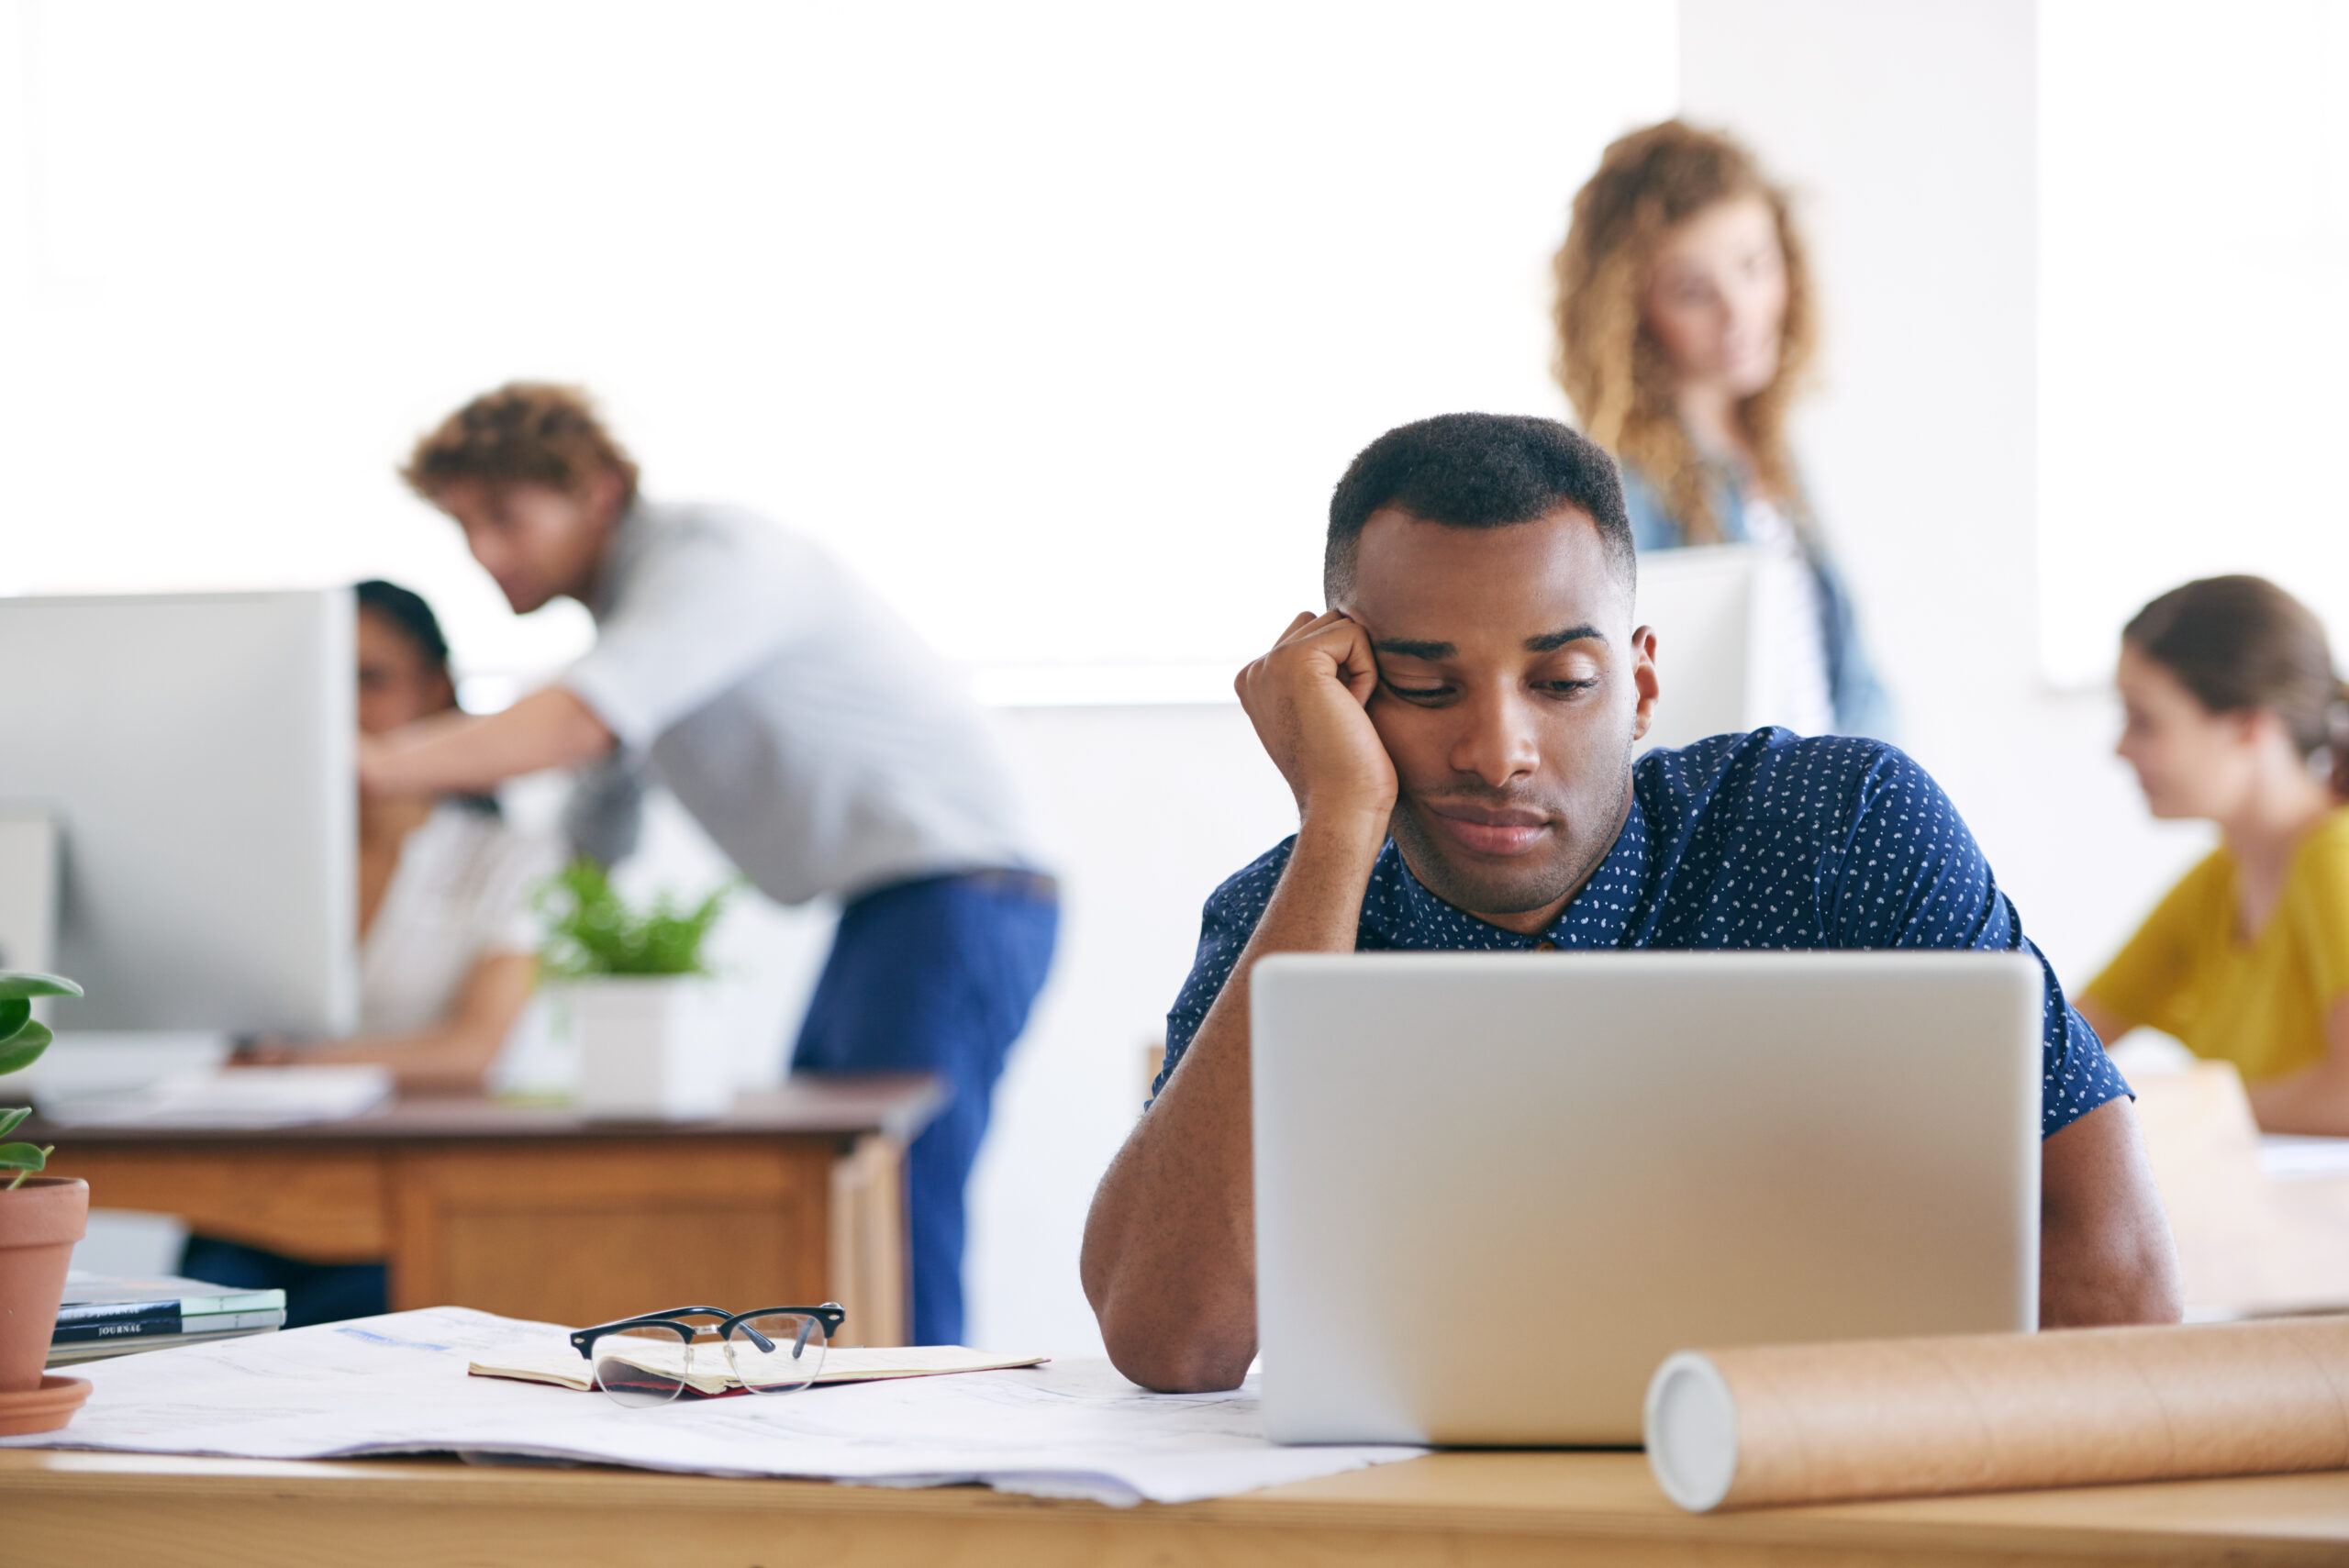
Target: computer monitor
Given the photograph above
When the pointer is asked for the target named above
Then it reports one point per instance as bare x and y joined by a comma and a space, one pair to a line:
195, 754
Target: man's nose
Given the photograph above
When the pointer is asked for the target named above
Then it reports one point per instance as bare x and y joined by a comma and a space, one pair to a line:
1497, 741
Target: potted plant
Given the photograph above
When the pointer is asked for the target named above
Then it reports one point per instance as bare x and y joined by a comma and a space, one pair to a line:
41, 1218
632, 988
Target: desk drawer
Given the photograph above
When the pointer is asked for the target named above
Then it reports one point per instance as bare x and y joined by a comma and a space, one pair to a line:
599, 1230
325, 1206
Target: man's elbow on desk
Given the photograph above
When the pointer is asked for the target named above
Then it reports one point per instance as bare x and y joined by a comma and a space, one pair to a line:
1174, 1358
1171, 1338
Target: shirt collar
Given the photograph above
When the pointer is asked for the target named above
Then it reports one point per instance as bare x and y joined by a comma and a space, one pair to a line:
621, 547
1402, 913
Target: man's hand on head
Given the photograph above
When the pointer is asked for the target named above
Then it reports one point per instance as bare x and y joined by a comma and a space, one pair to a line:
1308, 700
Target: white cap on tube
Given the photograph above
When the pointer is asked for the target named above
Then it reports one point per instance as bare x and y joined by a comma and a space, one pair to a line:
1691, 1430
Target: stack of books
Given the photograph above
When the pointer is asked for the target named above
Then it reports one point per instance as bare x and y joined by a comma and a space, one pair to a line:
103, 1316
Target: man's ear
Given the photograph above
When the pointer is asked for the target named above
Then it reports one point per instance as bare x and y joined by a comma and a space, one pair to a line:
1643, 681
607, 494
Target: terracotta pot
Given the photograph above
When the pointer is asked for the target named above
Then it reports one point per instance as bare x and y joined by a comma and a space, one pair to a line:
40, 1222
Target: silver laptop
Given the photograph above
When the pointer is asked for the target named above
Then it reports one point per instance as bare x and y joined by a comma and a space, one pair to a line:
1494, 1191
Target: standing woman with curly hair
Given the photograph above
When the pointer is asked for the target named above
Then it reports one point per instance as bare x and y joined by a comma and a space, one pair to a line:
1686, 319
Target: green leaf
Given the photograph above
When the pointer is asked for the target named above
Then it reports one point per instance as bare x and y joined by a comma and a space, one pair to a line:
22, 1157
13, 1011
23, 1049
591, 929
24, 982
12, 1118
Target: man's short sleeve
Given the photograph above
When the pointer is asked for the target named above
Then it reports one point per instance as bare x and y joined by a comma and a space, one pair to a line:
695, 614
1226, 923
1910, 876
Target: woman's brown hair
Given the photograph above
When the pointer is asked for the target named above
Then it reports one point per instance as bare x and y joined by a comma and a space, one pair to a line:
2242, 642
1612, 368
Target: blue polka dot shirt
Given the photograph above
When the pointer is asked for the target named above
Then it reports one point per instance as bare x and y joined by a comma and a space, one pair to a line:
1760, 840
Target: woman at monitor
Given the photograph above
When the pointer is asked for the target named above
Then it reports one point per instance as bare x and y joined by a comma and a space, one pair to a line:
446, 942
1686, 319
2233, 715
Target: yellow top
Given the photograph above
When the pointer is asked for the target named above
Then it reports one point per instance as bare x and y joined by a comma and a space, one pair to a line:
2260, 1003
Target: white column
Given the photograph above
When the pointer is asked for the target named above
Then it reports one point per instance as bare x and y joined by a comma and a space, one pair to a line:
1908, 131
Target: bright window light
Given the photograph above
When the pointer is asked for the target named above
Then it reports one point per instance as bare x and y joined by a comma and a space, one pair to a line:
1056, 321
2194, 308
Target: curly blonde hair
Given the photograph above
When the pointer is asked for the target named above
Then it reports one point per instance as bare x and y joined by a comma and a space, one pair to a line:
1612, 369
525, 432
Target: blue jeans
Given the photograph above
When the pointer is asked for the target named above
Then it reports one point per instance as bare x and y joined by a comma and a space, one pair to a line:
935, 976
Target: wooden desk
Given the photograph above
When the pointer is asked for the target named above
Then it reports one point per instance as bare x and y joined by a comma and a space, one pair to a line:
2247, 1241
1457, 1509
796, 1196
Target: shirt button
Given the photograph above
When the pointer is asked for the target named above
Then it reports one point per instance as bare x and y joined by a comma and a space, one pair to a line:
1545, 945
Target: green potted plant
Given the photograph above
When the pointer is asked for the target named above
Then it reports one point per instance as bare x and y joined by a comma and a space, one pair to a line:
631, 987
41, 1218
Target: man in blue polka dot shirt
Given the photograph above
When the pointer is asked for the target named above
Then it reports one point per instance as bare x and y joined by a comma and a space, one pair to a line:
1458, 729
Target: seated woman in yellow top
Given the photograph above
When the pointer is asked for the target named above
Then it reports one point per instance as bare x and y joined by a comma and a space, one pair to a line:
2231, 698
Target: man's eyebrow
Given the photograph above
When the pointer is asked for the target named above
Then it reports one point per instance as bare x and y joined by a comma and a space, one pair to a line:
1403, 647
1551, 641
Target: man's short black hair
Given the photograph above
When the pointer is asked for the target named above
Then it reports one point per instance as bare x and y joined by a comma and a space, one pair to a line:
1476, 471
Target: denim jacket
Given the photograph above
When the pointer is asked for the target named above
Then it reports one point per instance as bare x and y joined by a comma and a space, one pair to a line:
1862, 705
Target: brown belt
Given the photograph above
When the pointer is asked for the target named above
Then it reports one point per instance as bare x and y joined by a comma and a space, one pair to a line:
1014, 880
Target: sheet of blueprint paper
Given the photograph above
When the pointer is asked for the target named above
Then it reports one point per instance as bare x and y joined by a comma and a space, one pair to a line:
398, 1384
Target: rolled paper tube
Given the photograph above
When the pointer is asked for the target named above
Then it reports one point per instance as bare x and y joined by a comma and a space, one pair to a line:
1764, 1424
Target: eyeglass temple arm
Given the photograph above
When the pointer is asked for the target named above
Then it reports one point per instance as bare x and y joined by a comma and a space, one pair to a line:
831, 1315
582, 1338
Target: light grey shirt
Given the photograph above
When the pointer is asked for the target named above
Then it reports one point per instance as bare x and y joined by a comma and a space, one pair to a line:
812, 735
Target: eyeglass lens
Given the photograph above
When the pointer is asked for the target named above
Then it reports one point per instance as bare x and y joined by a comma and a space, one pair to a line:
644, 1366
777, 1352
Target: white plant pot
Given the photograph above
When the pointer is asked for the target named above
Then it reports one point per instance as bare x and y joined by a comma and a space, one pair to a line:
650, 1047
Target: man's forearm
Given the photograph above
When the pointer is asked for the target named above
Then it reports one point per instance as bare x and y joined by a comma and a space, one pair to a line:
549, 729
2105, 1252
1169, 1261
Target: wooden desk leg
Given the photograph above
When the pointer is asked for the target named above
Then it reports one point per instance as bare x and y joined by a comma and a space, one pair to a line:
867, 1264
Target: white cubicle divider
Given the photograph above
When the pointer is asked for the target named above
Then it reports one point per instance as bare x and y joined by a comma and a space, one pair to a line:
1701, 603
28, 887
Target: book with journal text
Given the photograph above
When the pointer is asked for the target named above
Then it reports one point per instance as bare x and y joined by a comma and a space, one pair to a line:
97, 1309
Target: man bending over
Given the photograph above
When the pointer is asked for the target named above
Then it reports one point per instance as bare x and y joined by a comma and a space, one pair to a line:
1458, 728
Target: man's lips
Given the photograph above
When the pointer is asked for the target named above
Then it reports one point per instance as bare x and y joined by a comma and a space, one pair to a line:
1488, 830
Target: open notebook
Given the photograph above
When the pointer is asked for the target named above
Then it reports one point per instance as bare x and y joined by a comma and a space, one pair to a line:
566, 1368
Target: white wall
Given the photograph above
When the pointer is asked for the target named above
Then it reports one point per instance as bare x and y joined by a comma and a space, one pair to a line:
1148, 809
1909, 131
1044, 316
1055, 321
1908, 125
2196, 306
